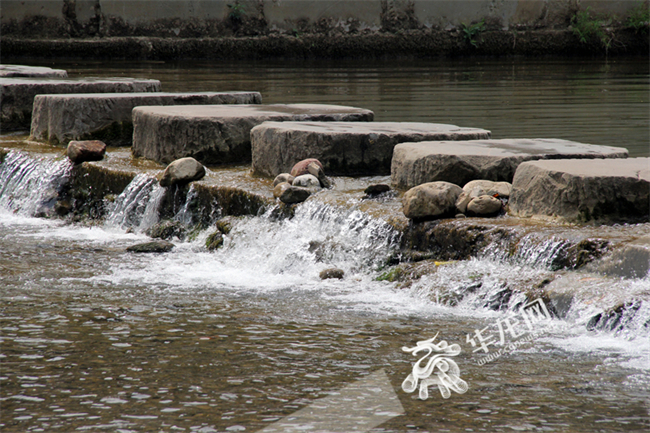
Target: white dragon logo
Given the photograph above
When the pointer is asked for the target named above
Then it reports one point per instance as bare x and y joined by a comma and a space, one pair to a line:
448, 374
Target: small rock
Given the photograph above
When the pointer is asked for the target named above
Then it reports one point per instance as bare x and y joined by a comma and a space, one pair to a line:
151, 247
294, 194
167, 230
315, 169
433, 199
477, 188
306, 181
462, 201
226, 224
62, 207
331, 273
280, 188
282, 177
181, 171
460, 216
82, 151
214, 241
301, 167
484, 205
376, 189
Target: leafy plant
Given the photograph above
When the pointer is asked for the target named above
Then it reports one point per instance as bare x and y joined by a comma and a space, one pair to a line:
586, 27
237, 12
639, 18
472, 31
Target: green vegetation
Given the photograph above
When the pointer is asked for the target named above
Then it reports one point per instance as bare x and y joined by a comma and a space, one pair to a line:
237, 13
391, 275
639, 18
590, 29
472, 31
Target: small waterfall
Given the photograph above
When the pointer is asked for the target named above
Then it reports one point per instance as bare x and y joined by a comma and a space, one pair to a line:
317, 237
30, 185
137, 206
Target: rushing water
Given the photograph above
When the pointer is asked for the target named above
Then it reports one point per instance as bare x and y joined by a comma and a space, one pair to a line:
98, 339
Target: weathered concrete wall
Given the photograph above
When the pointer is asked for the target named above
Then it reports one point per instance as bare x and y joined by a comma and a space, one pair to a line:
192, 18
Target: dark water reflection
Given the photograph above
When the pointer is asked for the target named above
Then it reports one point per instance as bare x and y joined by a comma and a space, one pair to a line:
588, 100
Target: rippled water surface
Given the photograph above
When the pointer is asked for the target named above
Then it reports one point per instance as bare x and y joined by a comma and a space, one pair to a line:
97, 339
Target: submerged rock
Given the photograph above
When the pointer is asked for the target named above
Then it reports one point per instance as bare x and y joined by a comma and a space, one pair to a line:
376, 189
331, 273
167, 230
434, 199
82, 151
484, 205
182, 171
214, 241
294, 194
160, 246
281, 178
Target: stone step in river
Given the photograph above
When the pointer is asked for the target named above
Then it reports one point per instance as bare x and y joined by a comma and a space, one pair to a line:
220, 134
344, 148
460, 162
17, 94
57, 119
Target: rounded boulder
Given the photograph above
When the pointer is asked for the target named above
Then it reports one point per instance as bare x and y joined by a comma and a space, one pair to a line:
182, 171
433, 199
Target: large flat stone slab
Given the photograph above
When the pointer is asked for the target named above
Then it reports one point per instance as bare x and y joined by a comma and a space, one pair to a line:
22, 71
17, 94
344, 148
616, 190
57, 119
462, 161
215, 134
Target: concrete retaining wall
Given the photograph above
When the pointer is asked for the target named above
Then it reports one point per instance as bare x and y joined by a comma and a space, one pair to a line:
247, 17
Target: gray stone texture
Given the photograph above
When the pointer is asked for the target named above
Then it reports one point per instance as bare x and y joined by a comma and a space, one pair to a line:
343, 148
181, 171
17, 94
484, 205
460, 162
583, 190
82, 151
434, 199
107, 116
22, 71
216, 134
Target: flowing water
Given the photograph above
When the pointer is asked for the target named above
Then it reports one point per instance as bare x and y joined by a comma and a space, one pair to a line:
242, 339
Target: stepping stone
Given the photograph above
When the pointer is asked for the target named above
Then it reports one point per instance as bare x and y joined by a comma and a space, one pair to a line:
58, 119
616, 190
17, 94
462, 161
215, 134
21, 71
344, 148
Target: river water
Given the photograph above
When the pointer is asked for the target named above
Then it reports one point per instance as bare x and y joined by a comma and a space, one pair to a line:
249, 338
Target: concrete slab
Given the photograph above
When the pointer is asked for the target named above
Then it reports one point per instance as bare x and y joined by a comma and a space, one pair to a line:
344, 148
57, 119
462, 161
17, 94
21, 71
616, 190
216, 134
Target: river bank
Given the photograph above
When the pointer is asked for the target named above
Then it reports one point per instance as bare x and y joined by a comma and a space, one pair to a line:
404, 44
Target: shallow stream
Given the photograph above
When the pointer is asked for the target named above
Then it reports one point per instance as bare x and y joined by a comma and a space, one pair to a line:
97, 339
